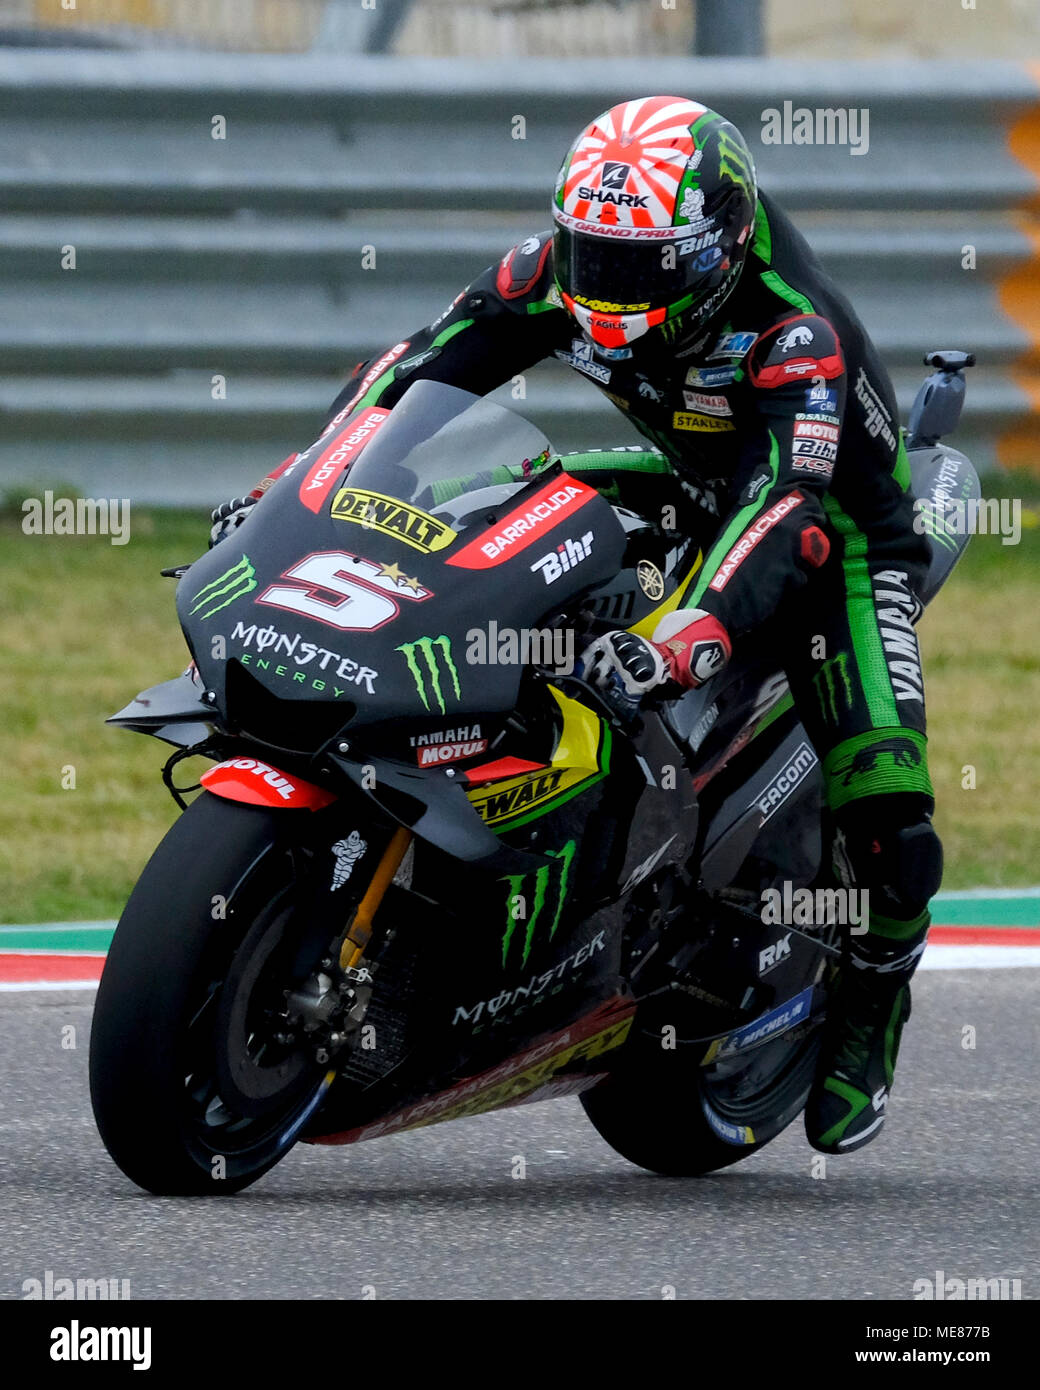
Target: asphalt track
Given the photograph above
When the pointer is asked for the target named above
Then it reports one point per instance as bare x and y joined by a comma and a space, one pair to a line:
950, 1185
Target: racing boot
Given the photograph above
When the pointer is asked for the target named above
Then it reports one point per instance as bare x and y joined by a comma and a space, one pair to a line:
857, 1062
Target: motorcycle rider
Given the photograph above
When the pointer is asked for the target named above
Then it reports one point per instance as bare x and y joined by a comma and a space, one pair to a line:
683, 292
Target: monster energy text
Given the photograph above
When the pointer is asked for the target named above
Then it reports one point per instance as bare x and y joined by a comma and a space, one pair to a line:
538, 988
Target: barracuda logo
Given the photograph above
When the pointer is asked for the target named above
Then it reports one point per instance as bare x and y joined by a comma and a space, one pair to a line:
517, 901
434, 651
233, 584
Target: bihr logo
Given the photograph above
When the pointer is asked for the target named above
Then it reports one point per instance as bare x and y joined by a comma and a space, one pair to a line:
566, 555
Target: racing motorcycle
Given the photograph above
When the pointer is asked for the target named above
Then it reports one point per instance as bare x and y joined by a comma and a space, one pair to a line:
431, 871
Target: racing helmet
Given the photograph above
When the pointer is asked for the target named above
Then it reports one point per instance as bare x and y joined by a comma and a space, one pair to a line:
653, 214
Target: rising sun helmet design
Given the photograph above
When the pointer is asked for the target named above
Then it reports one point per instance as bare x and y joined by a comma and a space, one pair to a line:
653, 214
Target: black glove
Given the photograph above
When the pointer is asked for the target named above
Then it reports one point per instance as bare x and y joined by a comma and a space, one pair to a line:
625, 667
228, 517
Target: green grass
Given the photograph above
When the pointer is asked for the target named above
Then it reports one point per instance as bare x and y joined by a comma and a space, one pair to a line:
981, 646
85, 624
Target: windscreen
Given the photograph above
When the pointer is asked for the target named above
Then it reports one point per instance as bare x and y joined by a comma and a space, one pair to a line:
440, 442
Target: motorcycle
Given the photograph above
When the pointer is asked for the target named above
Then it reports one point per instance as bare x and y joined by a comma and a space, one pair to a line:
431, 871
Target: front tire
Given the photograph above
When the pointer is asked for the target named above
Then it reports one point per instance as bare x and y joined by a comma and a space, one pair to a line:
170, 1032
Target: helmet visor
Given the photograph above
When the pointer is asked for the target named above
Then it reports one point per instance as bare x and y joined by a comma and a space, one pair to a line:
625, 274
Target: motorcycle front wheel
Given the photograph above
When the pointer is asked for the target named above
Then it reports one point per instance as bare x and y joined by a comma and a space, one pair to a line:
194, 1089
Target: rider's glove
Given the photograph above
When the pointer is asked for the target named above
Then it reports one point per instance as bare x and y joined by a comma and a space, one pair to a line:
695, 646
689, 647
228, 517
625, 667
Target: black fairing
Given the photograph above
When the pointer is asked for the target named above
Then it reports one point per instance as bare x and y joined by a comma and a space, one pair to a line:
412, 665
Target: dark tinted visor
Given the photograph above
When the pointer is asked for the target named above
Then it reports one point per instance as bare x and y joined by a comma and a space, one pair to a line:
622, 276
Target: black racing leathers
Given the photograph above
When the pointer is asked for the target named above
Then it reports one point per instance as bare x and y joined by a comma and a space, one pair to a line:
782, 417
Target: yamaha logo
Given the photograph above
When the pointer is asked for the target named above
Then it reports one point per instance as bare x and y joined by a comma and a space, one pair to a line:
651, 580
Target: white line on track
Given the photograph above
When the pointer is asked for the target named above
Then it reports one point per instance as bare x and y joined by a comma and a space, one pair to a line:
935, 958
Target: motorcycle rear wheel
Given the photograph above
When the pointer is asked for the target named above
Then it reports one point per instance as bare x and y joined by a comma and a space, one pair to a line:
665, 1112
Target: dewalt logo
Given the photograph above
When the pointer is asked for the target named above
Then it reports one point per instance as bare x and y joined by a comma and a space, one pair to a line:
437, 662
504, 801
393, 518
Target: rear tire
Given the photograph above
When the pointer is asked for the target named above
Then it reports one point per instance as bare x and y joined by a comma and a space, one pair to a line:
165, 1036
665, 1112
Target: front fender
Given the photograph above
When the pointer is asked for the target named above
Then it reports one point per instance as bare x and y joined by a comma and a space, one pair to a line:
259, 784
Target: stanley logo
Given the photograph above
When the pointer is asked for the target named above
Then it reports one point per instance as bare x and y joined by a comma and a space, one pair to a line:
703, 424
393, 518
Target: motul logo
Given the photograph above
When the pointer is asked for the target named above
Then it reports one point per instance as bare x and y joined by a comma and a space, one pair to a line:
274, 779
449, 752
751, 538
815, 429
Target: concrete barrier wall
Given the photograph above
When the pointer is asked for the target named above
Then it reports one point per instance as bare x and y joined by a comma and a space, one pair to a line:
177, 310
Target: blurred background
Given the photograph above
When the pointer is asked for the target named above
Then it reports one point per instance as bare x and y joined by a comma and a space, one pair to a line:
210, 212
824, 29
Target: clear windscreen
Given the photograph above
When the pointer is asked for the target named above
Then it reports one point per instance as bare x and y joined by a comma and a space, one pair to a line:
441, 443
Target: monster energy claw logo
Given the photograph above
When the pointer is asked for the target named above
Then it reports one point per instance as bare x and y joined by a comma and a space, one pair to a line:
735, 163
234, 583
826, 682
564, 858
434, 650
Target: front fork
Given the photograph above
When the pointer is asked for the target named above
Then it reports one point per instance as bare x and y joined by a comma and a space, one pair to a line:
334, 1009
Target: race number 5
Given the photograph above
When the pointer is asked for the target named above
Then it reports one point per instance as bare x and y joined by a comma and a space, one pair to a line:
343, 591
